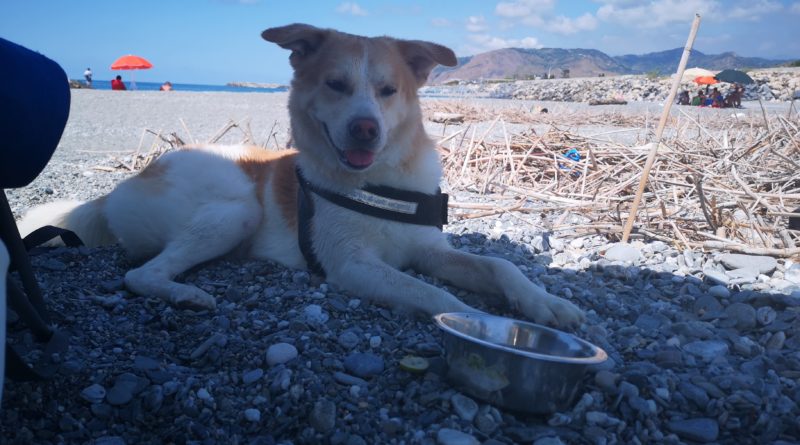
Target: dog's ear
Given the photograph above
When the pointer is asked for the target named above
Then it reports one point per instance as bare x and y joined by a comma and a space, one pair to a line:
300, 38
422, 56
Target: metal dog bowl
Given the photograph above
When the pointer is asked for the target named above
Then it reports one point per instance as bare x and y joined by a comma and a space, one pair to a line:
517, 365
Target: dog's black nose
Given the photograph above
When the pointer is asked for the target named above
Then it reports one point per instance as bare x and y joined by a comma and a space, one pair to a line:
364, 129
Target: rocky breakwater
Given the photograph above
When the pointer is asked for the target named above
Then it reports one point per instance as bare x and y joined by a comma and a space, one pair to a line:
774, 84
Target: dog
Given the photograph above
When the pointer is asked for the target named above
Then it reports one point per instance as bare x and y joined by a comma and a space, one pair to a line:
361, 153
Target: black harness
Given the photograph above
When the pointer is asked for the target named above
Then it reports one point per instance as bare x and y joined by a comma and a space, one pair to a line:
374, 200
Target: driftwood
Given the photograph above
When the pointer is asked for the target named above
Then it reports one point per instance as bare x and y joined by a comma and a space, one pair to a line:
733, 179
608, 102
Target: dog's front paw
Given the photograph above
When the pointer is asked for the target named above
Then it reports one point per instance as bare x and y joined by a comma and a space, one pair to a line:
551, 310
190, 297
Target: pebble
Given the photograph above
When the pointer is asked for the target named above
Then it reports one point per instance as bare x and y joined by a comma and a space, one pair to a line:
623, 252
465, 407
348, 339
323, 416
703, 430
252, 376
252, 415
109, 440
314, 314
719, 291
759, 264
94, 393
363, 365
280, 353
447, 436
741, 316
707, 350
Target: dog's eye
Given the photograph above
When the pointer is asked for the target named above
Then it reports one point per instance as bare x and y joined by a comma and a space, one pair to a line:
337, 85
388, 91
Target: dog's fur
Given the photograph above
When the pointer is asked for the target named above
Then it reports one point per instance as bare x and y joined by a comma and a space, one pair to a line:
355, 119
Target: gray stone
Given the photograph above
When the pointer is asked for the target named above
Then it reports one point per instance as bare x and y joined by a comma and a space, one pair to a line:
252, 415
719, 291
606, 380
280, 353
109, 440
623, 252
363, 365
145, 363
706, 304
252, 376
323, 416
761, 264
465, 407
694, 393
447, 436
314, 314
792, 274
347, 379
707, 350
548, 441
701, 430
94, 393
348, 339
740, 315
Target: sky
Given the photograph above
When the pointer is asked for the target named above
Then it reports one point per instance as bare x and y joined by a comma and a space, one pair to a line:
218, 41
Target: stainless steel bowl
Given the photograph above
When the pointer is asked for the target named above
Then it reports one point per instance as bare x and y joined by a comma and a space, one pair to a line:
514, 364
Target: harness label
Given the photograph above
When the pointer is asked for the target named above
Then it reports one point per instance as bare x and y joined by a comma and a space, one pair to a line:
382, 202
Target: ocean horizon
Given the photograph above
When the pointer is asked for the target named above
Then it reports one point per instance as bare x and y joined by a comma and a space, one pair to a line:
155, 86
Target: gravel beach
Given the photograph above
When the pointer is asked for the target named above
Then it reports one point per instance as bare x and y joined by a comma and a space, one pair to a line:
704, 347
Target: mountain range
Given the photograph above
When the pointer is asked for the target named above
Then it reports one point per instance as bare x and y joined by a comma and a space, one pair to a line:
523, 63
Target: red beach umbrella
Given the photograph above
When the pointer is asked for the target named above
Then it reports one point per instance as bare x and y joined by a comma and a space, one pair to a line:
705, 80
131, 62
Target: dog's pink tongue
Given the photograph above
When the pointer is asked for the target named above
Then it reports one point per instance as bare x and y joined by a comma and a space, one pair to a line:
359, 158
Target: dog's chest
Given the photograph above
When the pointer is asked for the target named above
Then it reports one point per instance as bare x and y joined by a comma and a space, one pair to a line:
343, 233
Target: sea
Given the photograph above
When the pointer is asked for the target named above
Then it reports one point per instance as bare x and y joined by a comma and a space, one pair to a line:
155, 86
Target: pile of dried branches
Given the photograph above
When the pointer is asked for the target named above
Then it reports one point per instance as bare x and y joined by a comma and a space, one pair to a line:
231, 133
729, 184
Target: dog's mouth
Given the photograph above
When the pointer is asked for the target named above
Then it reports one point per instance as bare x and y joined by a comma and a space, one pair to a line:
354, 158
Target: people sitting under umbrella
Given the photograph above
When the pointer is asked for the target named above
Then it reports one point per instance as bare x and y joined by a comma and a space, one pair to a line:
683, 98
118, 84
699, 99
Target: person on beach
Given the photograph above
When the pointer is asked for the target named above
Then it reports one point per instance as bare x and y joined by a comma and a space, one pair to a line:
700, 99
166, 86
88, 76
117, 84
683, 98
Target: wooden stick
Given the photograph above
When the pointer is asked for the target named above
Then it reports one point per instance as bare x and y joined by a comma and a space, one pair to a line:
651, 157
784, 253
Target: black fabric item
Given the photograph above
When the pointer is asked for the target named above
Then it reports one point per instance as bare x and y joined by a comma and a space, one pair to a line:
46, 233
305, 212
34, 106
431, 211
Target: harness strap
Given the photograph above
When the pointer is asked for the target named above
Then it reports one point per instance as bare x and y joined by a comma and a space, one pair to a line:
382, 202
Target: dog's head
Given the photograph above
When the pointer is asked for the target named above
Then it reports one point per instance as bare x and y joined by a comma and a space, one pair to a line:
353, 97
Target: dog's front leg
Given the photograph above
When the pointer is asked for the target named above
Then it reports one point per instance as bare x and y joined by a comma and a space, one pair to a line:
367, 276
496, 276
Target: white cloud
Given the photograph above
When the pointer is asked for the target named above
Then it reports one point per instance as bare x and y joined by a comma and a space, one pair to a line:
566, 25
523, 8
658, 13
795, 8
351, 8
539, 14
753, 10
476, 23
485, 42
441, 23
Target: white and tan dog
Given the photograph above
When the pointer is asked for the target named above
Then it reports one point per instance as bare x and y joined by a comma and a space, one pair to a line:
355, 120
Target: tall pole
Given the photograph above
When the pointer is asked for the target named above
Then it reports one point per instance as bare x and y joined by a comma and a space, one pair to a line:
651, 157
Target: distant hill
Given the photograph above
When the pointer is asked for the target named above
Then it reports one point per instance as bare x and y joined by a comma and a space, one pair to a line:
667, 61
519, 63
